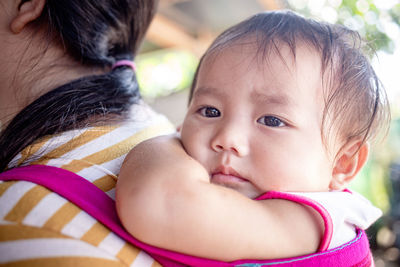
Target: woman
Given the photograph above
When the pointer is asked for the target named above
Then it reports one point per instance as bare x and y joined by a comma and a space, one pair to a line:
64, 105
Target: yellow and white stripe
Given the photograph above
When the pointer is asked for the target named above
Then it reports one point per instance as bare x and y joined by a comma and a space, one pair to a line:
47, 248
39, 227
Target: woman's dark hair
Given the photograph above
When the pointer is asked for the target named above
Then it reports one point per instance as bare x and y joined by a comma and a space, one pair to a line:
96, 33
356, 106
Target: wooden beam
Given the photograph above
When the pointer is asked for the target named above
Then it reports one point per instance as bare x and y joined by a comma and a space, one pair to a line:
271, 4
166, 33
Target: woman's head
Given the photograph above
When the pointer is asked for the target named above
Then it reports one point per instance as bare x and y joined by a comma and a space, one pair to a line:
93, 34
354, 100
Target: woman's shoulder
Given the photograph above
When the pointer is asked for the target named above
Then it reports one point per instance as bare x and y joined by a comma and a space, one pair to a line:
96, 152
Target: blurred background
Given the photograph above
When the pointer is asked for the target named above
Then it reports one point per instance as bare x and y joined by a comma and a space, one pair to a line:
183, 29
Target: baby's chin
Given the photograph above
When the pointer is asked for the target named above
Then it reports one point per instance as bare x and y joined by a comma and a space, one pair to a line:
249, 193
246, 191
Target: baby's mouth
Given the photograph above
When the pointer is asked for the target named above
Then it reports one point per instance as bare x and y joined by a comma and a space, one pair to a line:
227, 176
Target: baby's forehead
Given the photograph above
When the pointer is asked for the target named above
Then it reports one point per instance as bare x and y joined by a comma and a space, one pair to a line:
264, 54
281, 61
278, 71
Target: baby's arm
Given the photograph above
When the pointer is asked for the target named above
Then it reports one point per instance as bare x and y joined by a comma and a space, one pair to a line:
164, 198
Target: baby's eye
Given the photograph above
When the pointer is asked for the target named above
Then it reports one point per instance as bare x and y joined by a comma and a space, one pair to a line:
271, 121
209, 112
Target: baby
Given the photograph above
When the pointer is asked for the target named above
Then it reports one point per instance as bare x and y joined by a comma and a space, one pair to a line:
280, 115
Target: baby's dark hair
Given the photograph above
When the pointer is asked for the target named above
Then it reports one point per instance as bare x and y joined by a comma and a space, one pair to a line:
95, 33
356, 106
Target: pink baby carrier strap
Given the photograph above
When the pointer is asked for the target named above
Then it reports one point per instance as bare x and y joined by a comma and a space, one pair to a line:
99, 205
328, 231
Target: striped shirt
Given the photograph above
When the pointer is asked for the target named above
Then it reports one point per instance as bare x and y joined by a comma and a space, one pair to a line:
40, 228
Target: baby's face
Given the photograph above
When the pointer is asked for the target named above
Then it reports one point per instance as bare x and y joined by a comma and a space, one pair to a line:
256, 126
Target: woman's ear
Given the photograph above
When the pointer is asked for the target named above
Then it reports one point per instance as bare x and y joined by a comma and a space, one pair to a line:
349, 162
27, 12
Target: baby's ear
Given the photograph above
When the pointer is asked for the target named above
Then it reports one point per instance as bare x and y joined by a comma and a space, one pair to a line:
349, 162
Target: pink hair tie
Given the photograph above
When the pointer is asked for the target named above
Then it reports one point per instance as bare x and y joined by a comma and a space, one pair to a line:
124, 62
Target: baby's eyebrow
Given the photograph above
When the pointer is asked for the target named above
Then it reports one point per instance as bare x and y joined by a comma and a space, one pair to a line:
275, 99
255, 96
204, 90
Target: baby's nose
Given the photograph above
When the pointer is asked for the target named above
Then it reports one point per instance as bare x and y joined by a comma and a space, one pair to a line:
231, 139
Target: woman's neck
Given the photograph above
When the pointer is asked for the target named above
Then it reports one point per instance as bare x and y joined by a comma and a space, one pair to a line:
30, 68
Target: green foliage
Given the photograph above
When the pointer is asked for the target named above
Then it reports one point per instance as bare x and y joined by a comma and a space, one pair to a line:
363, 16
368, 15
395, 14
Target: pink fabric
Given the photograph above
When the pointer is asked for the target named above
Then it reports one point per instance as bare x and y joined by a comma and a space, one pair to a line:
326, 239
102, 207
